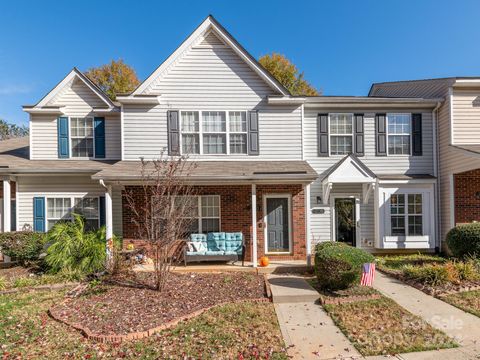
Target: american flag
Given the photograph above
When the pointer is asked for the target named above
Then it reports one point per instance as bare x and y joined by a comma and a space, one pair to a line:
368, 274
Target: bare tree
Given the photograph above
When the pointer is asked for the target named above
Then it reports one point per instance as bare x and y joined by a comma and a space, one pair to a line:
164, 212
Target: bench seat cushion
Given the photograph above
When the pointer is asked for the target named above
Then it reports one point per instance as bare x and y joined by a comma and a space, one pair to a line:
196, 253
216, 241
234, 242
219, 252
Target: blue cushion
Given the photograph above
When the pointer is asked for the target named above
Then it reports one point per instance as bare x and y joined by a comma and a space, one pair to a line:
233, 252
216, 241
195, 252
234, 242
220, 252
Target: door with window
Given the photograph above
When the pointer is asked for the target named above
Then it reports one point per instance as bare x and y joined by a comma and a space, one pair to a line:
345, 221
277, 224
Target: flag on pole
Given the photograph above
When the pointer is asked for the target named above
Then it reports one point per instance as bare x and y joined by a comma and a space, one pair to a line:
368, 274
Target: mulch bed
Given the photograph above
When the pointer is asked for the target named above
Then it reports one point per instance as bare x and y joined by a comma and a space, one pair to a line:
438, 291
113, 310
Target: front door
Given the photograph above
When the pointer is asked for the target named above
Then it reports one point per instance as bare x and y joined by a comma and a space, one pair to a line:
277, 225
345, 220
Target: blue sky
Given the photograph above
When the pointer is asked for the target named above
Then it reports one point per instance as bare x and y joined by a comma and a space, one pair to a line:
342, 46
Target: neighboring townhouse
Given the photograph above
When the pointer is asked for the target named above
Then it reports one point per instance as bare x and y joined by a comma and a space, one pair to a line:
458, 119
285, 171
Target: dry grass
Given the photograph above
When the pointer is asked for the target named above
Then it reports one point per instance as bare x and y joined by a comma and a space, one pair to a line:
27, 332
468, 301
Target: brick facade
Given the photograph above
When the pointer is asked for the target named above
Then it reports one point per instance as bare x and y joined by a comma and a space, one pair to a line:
467, 196
12, 189
236, 215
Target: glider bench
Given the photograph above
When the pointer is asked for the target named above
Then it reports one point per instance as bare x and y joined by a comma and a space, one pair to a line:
215, 246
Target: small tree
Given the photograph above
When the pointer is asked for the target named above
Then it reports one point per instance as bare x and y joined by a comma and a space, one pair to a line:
164, 212
9, 131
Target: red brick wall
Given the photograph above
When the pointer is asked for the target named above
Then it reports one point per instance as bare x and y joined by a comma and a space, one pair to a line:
12, 189
467, 196
235, 202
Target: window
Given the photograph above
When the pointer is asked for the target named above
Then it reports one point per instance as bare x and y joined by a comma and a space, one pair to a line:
406, 214
341, 134
214, 129
214, 132
238, 132
58, 209
399, 133
82, 137
88, 208
190, 132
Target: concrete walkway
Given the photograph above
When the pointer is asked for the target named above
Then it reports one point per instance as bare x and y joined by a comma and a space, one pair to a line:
308, 331
463, 327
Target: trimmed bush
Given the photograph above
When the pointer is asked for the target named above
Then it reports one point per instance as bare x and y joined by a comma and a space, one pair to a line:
23, 246
339, 266
464, 240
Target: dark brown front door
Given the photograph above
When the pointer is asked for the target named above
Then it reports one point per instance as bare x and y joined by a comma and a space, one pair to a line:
345, 221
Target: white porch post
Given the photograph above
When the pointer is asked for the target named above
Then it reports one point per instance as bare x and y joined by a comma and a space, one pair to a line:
7, 212
307, 224
254, 225
109, 220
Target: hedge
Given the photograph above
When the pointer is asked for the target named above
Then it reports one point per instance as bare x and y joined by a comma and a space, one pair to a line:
464, 240
339, 266
22, 246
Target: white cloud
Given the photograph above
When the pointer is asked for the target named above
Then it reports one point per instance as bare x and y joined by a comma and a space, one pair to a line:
15, 89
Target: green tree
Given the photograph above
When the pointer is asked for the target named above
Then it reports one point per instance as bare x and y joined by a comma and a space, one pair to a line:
288, 74
9, 131
114, 78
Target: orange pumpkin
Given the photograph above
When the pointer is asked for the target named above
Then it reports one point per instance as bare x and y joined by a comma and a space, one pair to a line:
264, 261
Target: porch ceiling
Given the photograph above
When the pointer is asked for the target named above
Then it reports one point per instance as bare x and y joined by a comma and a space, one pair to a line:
224, 171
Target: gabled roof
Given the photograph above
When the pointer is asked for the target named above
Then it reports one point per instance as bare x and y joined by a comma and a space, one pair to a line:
210, 24
349, 170
74, 73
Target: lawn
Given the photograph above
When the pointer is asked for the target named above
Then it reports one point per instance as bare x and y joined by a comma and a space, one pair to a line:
26, 331
380, 326
468, 301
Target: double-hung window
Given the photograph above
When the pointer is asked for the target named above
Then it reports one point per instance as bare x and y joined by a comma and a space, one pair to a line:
341, 134
399, 134
58, 209
88, 207
214, 132
82, 137
406, 214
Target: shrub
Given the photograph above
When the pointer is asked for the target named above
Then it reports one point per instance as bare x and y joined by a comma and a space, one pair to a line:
339, 266
398, 261
468, 270
73, 249
464, 240
23, 246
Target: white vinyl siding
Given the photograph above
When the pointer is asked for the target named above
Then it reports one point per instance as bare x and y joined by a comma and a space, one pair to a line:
466, 117
212, 77
78, 101
62, 187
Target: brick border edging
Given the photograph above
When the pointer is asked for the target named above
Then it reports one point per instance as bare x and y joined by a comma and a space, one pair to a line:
429, 291
117, 338
50, 287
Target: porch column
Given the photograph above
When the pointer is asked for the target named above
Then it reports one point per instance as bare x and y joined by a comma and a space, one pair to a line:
6, 206
254, 225
109, 220
307, 224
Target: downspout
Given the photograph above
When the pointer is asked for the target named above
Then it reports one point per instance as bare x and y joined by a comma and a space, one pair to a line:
436, 163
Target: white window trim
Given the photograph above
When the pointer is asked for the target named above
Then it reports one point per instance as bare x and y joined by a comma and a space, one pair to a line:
72, 206
403, 134
70, 138
330, 135
201, 132
290, 223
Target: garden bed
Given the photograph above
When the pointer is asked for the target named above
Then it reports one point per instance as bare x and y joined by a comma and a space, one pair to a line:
118, 311
376, 325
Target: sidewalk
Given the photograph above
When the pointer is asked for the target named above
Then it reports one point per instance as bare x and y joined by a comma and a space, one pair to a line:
308, 331
463, 327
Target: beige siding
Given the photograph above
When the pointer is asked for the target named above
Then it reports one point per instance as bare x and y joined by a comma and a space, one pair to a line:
79, 100
466, 117
212, 77
66, 186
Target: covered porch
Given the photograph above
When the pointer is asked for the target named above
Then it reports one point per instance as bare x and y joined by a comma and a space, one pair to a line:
266, 202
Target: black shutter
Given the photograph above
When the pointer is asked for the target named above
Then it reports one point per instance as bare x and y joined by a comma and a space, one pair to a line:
253, 144
381, 134
322, 134
173, 127
101, 204
359, 136
417, 148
